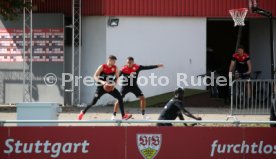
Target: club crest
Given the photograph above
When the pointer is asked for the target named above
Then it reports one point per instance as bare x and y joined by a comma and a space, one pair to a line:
149, 144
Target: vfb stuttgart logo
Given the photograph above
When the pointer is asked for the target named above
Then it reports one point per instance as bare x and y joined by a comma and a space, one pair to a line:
149, 144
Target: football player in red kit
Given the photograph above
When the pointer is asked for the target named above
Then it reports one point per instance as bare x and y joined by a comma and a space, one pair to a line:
241, 67
130, 74
107, 75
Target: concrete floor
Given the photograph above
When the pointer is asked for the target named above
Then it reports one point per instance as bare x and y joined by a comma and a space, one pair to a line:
105, 113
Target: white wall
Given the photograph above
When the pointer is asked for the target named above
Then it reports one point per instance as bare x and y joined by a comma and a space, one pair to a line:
260, 46
179, 43
93, 51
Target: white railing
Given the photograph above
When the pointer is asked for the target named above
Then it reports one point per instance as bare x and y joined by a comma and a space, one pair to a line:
119, 122
252, 97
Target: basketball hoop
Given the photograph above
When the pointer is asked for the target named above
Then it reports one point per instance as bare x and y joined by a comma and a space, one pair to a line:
238, 16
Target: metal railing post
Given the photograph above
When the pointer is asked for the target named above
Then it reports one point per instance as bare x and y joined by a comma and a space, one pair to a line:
119, 122
251, 97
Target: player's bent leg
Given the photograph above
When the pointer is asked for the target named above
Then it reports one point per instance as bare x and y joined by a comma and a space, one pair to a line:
116, 104
139, 94
142, 104
98, 94
116, 94
81, 114
115, 110
143, 107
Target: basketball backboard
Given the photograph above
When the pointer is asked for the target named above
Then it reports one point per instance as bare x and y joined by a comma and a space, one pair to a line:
254, 8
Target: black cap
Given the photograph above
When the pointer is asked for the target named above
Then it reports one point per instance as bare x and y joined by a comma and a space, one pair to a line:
179, 93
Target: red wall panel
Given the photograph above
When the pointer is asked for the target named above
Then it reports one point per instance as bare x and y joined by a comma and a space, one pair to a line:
197, 8
62, 142
129, 142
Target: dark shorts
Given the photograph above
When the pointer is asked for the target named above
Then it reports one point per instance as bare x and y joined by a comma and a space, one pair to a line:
162, 117
131, 89
242, 75
245, 77
99, 92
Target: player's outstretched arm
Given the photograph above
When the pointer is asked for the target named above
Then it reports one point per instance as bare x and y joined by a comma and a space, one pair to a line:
249, 67
118, 74
181, 117
232, 65
185, 112
97, 75
160, 65
150, 67
188, 114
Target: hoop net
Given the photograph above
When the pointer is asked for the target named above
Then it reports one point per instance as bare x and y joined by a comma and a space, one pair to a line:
238, 16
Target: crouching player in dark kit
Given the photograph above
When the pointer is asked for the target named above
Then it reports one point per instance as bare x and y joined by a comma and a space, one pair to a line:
174, 108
